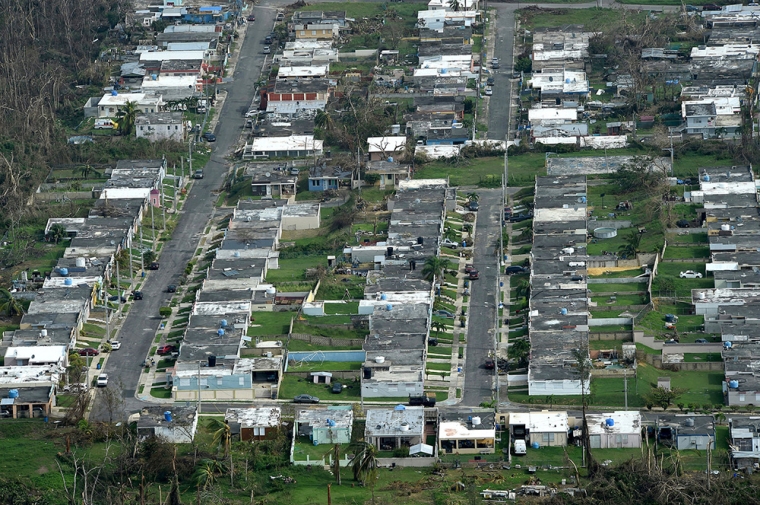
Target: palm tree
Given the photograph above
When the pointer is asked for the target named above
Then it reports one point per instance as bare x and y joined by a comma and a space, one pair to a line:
56, 232
323, 120
222, 434
206, 474
364, 465
455, 5
523, 288
126, 117
473, 197
9, 305
435, 267
631, 246
438, 327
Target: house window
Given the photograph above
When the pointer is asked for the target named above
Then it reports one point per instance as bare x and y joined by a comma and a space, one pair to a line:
169, 128
204, 382
184, 382
259, 432
741, 397
314, 32
618, 439
547, 437
241, 381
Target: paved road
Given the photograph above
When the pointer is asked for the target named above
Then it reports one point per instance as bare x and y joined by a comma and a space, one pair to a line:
141, 323
499, 103
479, 382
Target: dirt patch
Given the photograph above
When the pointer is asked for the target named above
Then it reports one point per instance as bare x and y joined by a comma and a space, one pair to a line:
42, 470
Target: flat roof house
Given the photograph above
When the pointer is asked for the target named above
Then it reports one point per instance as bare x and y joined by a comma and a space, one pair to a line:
383, 148
260, 423
320, 425
687, 431
615, 430
401, 426
467, 432
548, 429
171, 423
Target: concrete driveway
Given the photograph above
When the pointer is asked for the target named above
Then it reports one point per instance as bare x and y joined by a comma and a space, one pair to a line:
139, 327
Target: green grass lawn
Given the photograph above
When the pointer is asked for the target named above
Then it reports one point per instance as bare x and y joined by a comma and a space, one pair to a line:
604, 301
617, 287
292, 386
270, 323
685, 252
618, 274
342, 308
326, 366
294, 269
485, 171
591, 18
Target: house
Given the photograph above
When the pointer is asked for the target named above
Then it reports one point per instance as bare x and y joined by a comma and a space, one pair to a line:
446, 5
744, 443
686, 431
272, 183
320, 425
319, 31
552, 116
548, 429
111, 104
161, 126
712, 117
467, 432
615, 430
303, 72
294, 146
741, 362
389, 429
260, 423
385, 148
320, 17
171, 423
565, 47
56, 355
26, 402
390, 172
560, 83
323, 178
438, 19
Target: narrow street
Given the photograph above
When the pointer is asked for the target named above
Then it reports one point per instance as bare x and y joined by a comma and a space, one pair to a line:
139, 327
479, 382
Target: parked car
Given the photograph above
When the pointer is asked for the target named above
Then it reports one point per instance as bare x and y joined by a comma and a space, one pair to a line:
171, 288
690, 274
449, 243
88, 351
251, 18
490, 81
102, 380
165, 349
305, 399
337, 388
137, 295
711, 7
268, 39
252, 113
432, 341
468, 268
473, 206
154, 265
495, 65
427, 400
514, 269
683, 223
489, 91
198, 174
209, 137
444, 313
700, 341
280, 16
474, 275
115, 345
490, 364
115, 298
267, 50
520, 217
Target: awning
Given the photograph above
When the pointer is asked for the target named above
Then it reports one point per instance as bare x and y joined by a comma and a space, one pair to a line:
421, 449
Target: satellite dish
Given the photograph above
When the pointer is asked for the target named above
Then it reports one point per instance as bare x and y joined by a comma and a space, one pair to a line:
268, 174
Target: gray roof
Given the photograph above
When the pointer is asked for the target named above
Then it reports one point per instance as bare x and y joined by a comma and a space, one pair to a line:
28, 395
702, 425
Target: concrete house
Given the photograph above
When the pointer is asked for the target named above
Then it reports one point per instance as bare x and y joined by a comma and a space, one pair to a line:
320, 425
385, 148
294, 146
744, 443
253, 424
467, 432
319, 31
389, 429
27, 391
548, 429
615, 430
173, 424
161, 126
686, 431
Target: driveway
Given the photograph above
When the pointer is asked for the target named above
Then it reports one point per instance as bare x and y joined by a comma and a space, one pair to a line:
139, 327
479, 382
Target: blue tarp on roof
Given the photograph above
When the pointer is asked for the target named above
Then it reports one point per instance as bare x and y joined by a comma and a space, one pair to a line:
214, 8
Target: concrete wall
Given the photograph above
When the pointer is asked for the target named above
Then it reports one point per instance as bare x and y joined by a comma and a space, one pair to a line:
625, 336
327, 341
621, 280
342, 356
656, 361
602, 321
407, 462
391, 389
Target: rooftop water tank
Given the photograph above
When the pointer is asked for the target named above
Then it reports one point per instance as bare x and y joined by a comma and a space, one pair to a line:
68, 281
563, 311
404, 426
43, 333
670, 318
13, 393
733, 384
168, 416
271, 291
388, 307
725, 227
383, 296
395, 129
64, 271
583, 199
220, 332
535, 445
701, 295
212, 361
609, 422
727, 345
236, 254
114, 92
330, 422
81, 263
379, 359
399, 407
706, 178
476, 421
223, 323
390, 159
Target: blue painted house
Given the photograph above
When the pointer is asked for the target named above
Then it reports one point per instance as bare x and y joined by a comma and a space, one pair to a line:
207, 15
322, 178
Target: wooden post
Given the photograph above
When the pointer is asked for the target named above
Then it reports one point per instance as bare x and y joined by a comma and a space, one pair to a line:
329, 497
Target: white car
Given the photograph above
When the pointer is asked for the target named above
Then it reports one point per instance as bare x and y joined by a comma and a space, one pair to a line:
489, 91
115, 345
102, 380
691, 274
252, 113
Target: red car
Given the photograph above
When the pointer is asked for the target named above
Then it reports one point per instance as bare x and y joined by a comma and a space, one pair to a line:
88, 351
166, 349
474, 274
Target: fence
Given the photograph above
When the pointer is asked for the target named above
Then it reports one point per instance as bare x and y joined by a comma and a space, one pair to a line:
328, 341
626, 336
603, 321
615, 373
656, 361
342, 356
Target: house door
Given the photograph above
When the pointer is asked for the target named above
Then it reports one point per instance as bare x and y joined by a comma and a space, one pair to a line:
595, 441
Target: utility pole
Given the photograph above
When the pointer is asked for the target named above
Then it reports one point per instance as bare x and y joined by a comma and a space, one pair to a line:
199, 386
152, 227
625, 387
142, 259
129, 245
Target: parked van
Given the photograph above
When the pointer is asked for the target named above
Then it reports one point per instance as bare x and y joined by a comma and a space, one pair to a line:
520, 448
106, 124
